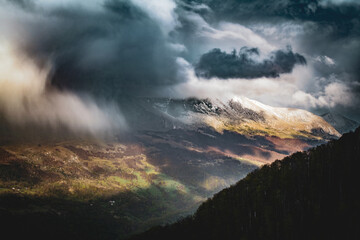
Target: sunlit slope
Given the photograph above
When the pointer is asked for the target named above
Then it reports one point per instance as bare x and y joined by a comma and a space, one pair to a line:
248, 117
117, 179
132, 185
82, 171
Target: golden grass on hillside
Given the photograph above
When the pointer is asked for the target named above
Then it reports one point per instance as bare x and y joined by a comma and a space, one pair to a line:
85, 171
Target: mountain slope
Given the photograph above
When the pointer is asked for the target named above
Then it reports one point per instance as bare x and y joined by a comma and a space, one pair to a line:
339, 122
72, 189
249, 130
308, 195
175, 159
244, 116
114, 188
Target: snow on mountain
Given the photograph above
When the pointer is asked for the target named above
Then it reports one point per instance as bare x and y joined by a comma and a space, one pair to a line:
246, 116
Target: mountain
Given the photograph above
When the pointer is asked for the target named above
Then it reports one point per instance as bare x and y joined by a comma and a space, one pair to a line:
242, 115
181, 152
242, 128
308, 195
339, 122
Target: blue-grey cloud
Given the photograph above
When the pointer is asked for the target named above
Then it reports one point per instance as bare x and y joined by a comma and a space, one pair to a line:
115, 49
217, 63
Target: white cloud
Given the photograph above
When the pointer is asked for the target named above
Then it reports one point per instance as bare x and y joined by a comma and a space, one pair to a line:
338, 93
333, 95
224, 35
236, 35
296, 89
25, 98
281, 34
326, 60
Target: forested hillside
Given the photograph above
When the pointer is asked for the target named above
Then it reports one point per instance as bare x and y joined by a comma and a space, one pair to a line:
308, 195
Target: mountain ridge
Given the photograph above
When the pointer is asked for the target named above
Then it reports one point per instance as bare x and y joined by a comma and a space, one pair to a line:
340, 122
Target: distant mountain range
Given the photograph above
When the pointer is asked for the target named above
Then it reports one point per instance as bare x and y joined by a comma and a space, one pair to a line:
180, 152
308, 195
339, 122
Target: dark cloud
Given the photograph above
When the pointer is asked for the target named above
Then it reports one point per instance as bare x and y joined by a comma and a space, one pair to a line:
260, 10
114, 50
85, 63
26, 4
243, 65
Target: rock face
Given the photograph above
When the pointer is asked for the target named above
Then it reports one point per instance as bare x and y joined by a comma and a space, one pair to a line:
341, 123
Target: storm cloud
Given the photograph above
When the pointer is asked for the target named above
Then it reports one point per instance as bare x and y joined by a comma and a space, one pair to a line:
244, 65
76, 61
103, 54
108, 49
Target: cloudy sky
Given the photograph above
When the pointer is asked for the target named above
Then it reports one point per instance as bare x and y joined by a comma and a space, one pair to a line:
70, 62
